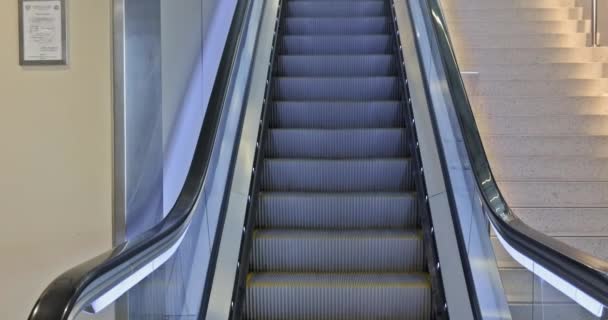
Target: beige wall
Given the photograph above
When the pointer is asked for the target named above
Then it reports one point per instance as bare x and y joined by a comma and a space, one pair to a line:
55, 156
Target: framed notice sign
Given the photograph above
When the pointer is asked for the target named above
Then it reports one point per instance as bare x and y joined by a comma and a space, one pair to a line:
42, 32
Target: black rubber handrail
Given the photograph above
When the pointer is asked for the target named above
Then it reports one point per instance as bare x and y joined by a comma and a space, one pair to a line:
584, 271
64, 296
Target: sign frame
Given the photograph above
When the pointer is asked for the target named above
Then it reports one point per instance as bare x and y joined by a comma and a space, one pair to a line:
64, 38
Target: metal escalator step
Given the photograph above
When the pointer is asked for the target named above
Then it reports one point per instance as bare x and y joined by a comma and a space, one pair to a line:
336, 66
336, 44
337, 25
314, 296
340, 89
285, 250
337, 227
336, 8
336, 144
336, 115
309, 175
337, 210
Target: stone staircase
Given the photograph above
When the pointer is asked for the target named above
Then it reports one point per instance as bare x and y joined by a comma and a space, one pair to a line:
540, 96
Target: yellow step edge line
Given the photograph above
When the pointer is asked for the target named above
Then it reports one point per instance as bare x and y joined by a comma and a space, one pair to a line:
424, 283
417, 235
347, 285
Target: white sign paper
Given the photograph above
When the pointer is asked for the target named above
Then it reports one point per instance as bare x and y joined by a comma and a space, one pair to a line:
42, 30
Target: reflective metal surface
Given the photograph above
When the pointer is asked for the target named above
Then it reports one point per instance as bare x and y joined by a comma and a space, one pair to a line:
119, 164
262, 24
137, 118
489, 295
173, 254
143, 153
455, 284
594, 33
138, 149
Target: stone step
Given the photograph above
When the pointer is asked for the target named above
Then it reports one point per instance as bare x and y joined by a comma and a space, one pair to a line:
538, 88
555, 194
541, 106
554, 311
473, 27
538, 71
556, 146
550, 168
540, 98
485, 56
543, 125
524, 287
509, 4
514, 14
568, 223
536, 40
596, 246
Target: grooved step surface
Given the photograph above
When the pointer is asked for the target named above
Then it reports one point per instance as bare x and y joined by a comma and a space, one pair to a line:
336, 89
338, 296
336, 144
336, 44
337, 66
337, 25
337, 210
337, 227
372, 175
280, 250
343, 280
336, 8
337, 114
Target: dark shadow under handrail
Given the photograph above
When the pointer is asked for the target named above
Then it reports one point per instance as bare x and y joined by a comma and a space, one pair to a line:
72, 291
582, 270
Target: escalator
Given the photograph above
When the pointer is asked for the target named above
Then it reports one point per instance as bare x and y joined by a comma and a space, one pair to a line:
338, 174
337, 232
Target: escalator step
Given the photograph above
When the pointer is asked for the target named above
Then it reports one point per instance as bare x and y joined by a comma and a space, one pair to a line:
336, 44
336, 144
336, 66
336, 115
337, 228
337, 25
336, 8
372, 175
357, 89
288, 250
314, 296
336, 210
